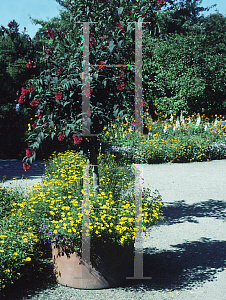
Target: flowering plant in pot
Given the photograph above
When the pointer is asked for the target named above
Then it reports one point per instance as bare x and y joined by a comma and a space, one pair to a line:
56, 208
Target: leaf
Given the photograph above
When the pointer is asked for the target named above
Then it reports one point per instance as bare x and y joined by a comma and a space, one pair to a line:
55, 80
104, 82
52, 135
42, 135
120, 10
66, 103
36, 145
67, 132
120, 43
48, 79
111, 46
130, 27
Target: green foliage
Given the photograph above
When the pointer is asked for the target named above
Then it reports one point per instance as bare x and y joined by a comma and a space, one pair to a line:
6, 200
62, 113
16, 49
18, 72
179, 16
189, 70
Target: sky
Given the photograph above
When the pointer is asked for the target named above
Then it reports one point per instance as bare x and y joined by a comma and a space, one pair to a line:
44, 9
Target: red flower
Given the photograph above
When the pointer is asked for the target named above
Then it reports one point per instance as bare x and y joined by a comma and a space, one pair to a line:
160, 3
121, 28
39, 116
23, 91
29, 64
30, 89
21, 99
89, 111
77, 140
58, 95
59, 72
34, 125
92, 38
10, 24
29, 153
122, 87
48, 51
61, 137
26, 166
34, 103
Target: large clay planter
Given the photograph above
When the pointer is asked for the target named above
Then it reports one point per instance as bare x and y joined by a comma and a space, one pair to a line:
109, 266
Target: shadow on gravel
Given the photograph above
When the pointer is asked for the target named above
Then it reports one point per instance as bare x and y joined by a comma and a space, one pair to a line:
191, 264
179, 211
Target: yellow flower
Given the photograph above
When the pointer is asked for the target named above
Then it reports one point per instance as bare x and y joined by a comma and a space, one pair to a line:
7, 270
28, 259
15, 253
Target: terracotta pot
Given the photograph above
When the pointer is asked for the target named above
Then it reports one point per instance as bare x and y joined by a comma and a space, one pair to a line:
109, 266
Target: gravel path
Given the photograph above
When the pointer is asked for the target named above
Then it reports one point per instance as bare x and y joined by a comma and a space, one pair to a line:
186, 254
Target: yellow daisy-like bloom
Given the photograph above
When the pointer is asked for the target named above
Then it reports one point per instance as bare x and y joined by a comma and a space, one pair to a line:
28, 259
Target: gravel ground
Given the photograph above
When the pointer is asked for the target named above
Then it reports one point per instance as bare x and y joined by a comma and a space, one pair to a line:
185, 255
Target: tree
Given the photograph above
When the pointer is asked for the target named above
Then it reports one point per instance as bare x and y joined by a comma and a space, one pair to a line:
16, 49
189, 70
179, 16
56, 94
